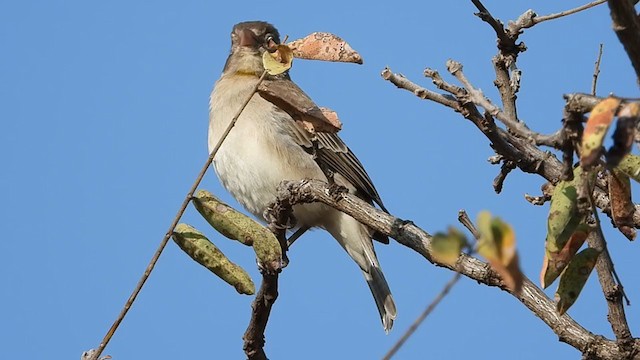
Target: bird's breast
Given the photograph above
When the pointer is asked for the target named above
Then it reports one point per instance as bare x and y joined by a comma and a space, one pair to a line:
257, 154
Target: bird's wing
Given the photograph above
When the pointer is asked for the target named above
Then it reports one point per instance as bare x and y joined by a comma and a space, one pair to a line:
330, 151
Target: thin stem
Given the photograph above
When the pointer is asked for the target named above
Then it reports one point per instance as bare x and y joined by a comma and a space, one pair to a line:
167, 235
596, 72
422, 316
539, 19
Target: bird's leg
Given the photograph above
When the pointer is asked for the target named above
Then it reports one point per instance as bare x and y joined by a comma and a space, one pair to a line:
280, 217
296, 235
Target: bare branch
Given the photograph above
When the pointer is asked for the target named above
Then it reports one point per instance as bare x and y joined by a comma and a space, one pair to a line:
528, 157
505, 169
413, 237
402, 82
596, 72
530, 18
464, 219
612, 289
627, 27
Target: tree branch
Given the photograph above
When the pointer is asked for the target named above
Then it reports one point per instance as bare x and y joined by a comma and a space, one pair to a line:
627, 27
528, 157
413, 237
261, 309
530, 18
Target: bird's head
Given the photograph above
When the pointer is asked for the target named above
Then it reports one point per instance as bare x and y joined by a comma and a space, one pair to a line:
249, 40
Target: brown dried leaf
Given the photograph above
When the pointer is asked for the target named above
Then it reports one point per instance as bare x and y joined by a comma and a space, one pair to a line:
597, 126
624, 135
286, 95
622, 207
555, 263
324, 46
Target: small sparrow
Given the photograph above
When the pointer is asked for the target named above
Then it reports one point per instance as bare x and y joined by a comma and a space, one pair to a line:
267, 146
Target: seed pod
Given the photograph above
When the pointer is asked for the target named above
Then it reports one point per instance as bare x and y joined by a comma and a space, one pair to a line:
205, 253
237, 226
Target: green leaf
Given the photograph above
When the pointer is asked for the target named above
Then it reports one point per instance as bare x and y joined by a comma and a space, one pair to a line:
574, 277
498, 245
446, 248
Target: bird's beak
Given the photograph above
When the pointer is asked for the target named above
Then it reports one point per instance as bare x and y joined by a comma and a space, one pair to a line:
247, 38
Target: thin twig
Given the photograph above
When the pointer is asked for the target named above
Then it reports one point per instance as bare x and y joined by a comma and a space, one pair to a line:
422, 317
539, 19
464, 219
167, 235
596, 72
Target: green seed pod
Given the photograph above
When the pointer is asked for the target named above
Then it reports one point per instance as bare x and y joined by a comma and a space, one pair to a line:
237, 226
205, 253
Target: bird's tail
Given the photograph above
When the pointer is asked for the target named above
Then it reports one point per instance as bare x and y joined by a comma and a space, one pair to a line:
382, 295
355, 238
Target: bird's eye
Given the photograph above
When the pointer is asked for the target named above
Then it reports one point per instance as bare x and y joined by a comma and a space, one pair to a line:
270, 43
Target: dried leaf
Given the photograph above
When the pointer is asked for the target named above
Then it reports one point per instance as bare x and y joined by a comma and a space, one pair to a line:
554, 264
574, 277
497, 244
595, 130
205, 253
286, 95
278, 61
622, 208
237, 226
625, 133
326, 47
446, 248
630, 165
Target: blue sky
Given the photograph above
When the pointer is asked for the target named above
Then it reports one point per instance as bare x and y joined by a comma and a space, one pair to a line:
104, 115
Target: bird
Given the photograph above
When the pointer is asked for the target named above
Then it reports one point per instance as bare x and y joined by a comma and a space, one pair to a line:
267, 146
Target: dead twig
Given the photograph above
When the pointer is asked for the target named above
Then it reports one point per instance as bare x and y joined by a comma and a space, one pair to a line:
596, 72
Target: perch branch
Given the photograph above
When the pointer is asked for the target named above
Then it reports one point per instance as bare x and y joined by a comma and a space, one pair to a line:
413, 237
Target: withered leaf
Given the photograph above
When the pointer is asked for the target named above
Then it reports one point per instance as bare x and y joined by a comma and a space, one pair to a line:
624, 134
622, 208
289, 97
324, 46
597, 126
555, 263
